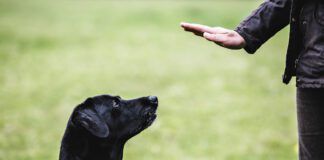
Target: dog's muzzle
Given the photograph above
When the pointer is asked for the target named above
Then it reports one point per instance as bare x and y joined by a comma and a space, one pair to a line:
150, 110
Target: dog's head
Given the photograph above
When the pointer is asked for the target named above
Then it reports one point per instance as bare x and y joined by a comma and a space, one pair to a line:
111, 116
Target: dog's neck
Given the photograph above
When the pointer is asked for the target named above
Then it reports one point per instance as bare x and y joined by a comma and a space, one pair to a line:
115, 149
75, 144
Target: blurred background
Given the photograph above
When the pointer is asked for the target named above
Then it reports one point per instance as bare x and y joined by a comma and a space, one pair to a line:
214, 103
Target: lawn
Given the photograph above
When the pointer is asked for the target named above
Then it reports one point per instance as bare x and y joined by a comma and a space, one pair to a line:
215, 104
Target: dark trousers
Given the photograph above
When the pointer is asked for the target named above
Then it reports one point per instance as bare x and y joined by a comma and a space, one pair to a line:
310, 114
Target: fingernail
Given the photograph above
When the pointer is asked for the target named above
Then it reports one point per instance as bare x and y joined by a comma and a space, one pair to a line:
183, 23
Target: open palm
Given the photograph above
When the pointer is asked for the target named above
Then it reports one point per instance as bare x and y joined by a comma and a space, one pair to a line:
221, 36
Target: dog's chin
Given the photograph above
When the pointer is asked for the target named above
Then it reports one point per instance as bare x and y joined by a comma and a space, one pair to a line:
151, 116
148, 116
148, 119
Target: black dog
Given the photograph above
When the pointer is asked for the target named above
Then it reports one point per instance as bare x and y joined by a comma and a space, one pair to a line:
99, 127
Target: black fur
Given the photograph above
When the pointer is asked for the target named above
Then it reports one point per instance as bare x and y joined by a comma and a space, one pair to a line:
99, 127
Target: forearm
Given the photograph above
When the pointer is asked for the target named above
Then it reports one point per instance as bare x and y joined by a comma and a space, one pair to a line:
263, 23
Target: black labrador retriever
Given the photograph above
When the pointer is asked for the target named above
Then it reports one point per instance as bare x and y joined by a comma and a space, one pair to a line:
99, 127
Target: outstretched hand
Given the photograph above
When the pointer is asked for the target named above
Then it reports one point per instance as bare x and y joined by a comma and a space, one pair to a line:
221, 36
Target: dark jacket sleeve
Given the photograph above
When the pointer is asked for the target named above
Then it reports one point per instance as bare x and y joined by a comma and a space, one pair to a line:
263, 23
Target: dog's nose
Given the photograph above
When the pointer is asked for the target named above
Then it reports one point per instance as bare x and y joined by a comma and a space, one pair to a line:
153, 99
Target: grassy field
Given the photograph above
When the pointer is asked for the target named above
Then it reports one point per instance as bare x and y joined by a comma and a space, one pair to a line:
215, 104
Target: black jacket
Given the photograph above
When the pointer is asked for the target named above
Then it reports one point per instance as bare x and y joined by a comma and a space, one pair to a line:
305, 54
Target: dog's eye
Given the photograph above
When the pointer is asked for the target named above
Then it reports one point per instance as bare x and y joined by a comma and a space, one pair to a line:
115, 103
115, 107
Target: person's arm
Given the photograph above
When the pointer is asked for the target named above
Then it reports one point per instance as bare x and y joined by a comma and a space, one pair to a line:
262, 24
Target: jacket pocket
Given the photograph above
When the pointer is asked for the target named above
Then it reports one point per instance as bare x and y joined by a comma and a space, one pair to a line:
319, 13
318, 64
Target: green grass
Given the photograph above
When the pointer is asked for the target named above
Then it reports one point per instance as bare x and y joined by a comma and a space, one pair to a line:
214, 103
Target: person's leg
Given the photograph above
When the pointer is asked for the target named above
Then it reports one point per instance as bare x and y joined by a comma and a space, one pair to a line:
310, 114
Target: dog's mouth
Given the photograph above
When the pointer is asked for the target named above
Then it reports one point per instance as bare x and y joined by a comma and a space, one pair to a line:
149, 115
147, 119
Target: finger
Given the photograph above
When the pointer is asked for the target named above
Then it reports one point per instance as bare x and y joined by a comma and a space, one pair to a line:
220, 30
194, 32
197, 27
218, 38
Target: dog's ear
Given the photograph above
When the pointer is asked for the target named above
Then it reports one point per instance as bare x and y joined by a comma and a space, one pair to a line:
89, 119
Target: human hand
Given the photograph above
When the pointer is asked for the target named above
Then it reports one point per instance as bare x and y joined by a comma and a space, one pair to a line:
221, 36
